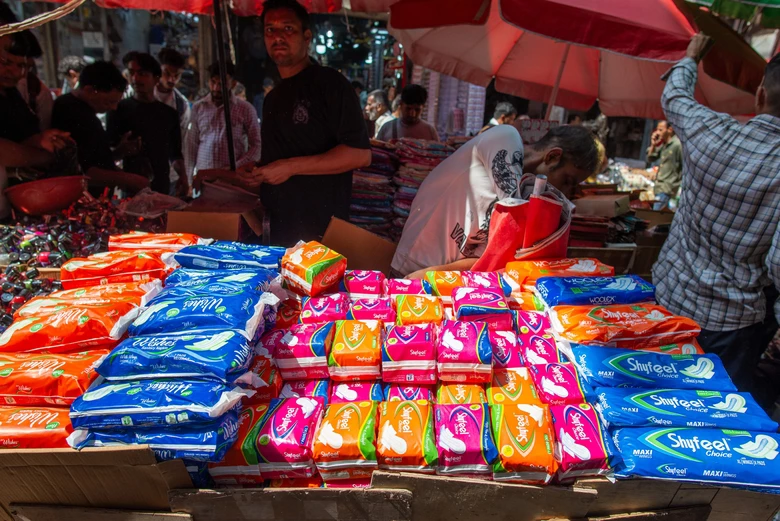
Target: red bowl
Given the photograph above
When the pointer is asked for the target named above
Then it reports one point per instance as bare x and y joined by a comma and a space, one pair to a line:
46, 196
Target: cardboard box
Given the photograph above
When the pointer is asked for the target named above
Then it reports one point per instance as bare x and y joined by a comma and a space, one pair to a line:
603, 205
363, 249
226, 222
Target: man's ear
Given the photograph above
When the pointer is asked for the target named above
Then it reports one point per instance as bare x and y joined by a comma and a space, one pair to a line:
552, 158
760, 97
308, 36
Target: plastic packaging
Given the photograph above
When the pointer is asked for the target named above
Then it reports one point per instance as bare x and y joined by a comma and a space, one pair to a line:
346, 392
356, 352
307, 389
113, 267
224, 355
258, 279
486, 280
264, 369
397, 287
240, 463
44, 380
464, 439
443, 283
687, 347
611, 367
526, 273
448, 393
524, 437
629, 326
559, 384
363, 284
372, 309
531, 323
201, 443
602, 291
464, 353
402, 393
472, 304
138, 293
582, 446
406, 440
540, 350
409, 355
153, 403
317, 310
227, 256
506, 351
288, 313
418, 309
312, 269
134, 241
512, 387
34, 428
302, 353
735, 458
346, 440
681, 408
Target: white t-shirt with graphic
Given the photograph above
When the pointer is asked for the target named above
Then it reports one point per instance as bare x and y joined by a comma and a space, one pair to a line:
450, 215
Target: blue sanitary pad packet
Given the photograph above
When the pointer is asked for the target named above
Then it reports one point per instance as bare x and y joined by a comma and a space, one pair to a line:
197, 443
624, 407
709, 456
582, 291
258, 279
153, 403
229, 256
243, 312
613, 367
224, 355
199, 474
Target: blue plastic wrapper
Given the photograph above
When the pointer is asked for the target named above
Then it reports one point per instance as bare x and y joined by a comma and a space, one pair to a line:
204, 443
258, 279
153, 403
199, 474
621, 407
709, 456
581, 291
613, 367
243, 312
224, 355
228, 256
206, 288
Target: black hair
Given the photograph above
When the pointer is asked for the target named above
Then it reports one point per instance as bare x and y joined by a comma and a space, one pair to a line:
71, 63
103, 77
6, 15
300, 12
358, 85
172, 57
20, 45
577, 143
229, 68
414, 95
572, 117
772, 83
145, 61
268, 82
504, 108
380, 96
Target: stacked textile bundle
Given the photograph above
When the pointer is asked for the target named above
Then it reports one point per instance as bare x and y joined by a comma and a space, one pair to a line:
372, 193
418, 158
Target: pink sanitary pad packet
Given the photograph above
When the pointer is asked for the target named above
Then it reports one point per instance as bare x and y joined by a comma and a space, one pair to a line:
380, 308
306, 389
558, 384
582, 445
402, 393
506, 351
345, 392
317, 310
464, 353
302, 353
539, 349
363, 284
395, 287
409, 354
464, 439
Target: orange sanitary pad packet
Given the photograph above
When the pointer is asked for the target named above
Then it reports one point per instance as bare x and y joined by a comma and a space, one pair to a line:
356, 352
138, 292
406, 439
444, 282
154, 241
450, 393
630, 326
34, 428
113, 267
240, 464
311, 268
524, 438
346, 441
418, 309
525, 273
512, 386
43, 380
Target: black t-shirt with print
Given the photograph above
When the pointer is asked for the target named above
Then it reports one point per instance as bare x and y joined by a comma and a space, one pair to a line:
17, 121
306, 115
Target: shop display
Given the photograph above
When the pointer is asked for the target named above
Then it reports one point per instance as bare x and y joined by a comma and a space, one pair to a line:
582, 446
524, 437
409, 354
225, 255
512, 386
373, 191
360, 284
380, 309
559, 384
113, 267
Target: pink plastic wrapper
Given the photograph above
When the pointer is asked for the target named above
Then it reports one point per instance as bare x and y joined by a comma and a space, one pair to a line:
269, 342
582, 446
497, 322
558, 384
539, 349
464, 439
286, 436
345, 392
464, 353
402, 393
409, 355
395, 287
506, 351
532, 323
348, 483
372, 309
486, 280
302, 353
363, 284
307, 389
317, 310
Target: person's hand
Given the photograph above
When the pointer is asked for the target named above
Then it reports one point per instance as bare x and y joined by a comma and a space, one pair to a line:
183, 188
417, 275
698, 47
128, 145
52, 140
655, 139
276, 173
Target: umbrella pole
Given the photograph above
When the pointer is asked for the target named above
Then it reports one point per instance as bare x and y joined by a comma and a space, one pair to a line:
218, 21
554, 94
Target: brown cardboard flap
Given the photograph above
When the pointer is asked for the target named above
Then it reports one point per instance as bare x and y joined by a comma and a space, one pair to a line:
603, 205
363, 249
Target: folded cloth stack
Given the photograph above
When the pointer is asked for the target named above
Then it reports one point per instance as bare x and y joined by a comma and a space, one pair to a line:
372, 193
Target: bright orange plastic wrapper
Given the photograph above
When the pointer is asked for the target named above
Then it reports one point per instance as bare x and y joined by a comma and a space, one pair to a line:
311, 269
406, 439
418, 309
345, 443
451, 393
356, 352
444, 282
135, 241
41, 306
512, 386
34, 428
684, 347
140, 292
524, 438
45, 380
630, 326
525, 273
524, 301
113, 267
75, 328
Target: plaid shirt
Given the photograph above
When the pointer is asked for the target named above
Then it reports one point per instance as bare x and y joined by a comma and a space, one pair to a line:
206, 143
724, 245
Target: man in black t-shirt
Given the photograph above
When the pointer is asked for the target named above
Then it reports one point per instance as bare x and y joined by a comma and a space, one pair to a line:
153, 122
313, 133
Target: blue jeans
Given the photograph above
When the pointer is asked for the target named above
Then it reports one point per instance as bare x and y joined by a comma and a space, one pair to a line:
661, 201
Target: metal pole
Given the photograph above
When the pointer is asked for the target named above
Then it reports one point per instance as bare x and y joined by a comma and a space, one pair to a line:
218, 22
557, 85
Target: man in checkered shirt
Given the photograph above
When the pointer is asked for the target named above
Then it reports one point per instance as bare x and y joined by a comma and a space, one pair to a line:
723, 251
